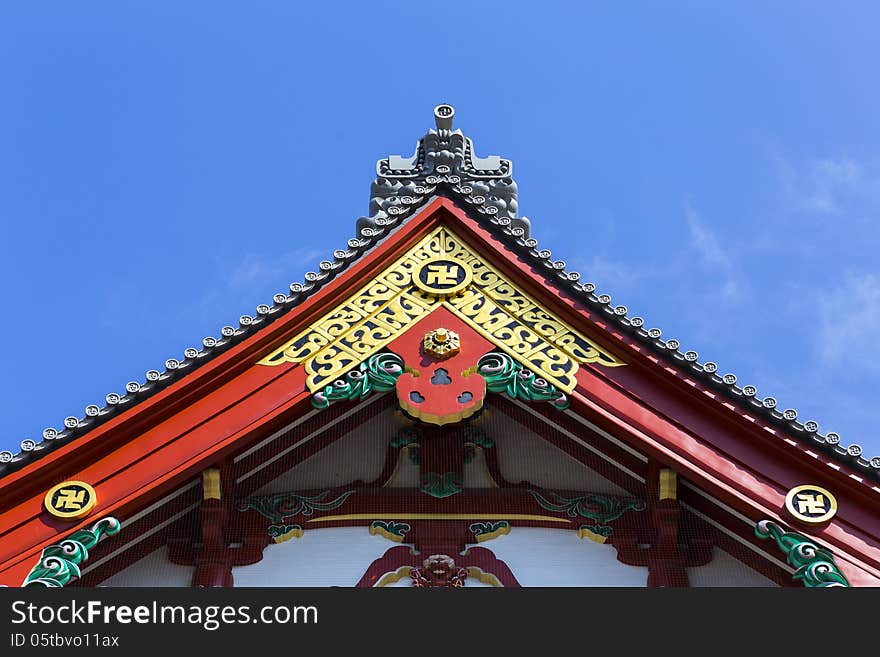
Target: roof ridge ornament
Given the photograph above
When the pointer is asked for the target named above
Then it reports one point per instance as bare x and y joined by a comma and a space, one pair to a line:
443, 162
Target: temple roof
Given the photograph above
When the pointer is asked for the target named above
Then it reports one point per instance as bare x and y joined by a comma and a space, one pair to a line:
444, 164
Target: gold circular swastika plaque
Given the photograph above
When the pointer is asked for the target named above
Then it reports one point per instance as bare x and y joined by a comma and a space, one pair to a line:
442, 276
810, 504
70, 500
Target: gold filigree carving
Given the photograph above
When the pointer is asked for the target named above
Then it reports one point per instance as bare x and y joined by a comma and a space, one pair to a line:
428, 275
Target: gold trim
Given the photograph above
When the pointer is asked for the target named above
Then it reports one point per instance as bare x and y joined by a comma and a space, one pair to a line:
440, 420
583, 532
438, 516
396, 576
388, 305
501, 531
384, 533
668, 487
75, 514
810, 520
484, 578
211, 484
293, 533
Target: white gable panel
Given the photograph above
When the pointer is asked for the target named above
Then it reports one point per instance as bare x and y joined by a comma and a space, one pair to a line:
336, 556
557, 557
153, 570
725, 570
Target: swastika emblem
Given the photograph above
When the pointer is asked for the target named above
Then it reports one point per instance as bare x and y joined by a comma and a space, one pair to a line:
442, 277
810, 504
443, 274
70, 500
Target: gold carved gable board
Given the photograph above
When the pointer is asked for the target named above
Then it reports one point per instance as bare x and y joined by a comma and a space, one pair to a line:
441, 270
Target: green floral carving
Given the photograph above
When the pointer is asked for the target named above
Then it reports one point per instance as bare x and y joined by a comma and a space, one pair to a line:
477, 437
440, 486
59, 564
378, 373
277, 531
600, 530
815, 566
485, 528
389, 528
504, 374
601, 508
284, 505
406, 437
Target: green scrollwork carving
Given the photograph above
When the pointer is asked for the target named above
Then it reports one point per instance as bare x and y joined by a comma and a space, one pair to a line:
282, 533
600, 508
378, 373
504, 374
284, 505
599, 533
440, 486
485, 531
408, 437
59, 564
394, 531
815, 566
477, 437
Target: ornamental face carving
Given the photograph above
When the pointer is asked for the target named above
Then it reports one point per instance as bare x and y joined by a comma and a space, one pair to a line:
438, 570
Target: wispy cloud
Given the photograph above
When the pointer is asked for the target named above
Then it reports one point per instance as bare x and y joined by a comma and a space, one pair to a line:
253, 271
253, 278
713, 255
826, 186
849, 323
613, 276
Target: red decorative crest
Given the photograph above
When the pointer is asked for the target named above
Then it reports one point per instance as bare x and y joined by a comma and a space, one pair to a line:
442, 387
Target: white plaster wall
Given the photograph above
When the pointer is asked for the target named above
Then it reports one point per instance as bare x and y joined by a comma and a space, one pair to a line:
557, 557
524, 456
336, 556
153, 570
725, 570
358, 455
538, 557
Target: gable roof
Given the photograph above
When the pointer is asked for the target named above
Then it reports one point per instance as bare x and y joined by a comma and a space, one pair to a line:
444, 164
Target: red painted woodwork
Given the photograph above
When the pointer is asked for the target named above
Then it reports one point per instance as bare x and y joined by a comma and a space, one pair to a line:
230, 403
441, 390
400, 556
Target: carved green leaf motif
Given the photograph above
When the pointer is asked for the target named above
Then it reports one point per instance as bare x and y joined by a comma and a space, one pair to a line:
601, 508
483, 528
59, 564
441, 486
390, 527
599, 530
408, 437
504, 374
277, 531
378, 373
284, 505
477, 437
815, 566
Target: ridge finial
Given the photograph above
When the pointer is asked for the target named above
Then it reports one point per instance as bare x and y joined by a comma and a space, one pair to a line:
443, 116
444, 162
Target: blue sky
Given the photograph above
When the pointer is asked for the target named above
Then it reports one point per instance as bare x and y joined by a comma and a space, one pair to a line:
167, 166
